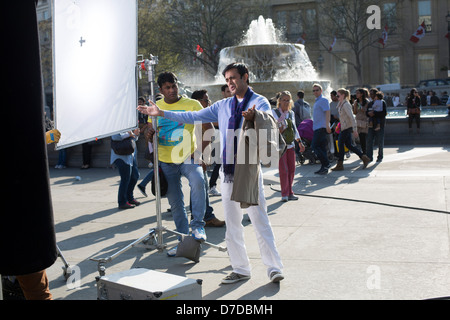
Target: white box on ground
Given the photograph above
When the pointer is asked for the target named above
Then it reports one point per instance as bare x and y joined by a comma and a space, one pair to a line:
144, 284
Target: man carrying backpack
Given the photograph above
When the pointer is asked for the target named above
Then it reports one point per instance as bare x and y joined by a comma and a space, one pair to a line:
302, 109
302, 112
288, 128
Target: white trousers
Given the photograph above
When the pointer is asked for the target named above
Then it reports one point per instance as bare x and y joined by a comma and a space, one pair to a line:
234, 236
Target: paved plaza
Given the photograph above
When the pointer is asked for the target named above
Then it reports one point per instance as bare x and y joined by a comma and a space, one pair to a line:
378, 233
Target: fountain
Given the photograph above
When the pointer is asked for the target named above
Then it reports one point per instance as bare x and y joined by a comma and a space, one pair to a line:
274, 66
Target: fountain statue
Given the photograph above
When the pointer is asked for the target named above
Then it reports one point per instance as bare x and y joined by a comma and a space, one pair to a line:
274, 66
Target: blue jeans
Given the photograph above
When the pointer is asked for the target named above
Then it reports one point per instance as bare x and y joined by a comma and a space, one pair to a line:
320, 146
209, 215
345, 138
194, 174
147, 179
62, 157
129, 176
380, 138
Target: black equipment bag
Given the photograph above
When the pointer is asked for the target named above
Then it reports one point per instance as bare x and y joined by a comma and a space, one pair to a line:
162, 183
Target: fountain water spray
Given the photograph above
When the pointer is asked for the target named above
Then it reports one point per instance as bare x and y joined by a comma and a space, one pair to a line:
274, 65
267, 57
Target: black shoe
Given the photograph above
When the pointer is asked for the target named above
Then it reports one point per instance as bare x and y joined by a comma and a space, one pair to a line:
11, 289
142, 189
322, 171
379, 159
134, 202
126, 206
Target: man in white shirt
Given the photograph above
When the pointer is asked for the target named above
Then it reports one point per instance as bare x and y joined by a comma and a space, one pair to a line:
230, 113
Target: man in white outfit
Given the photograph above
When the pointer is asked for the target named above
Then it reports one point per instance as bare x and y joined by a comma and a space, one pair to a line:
230, 113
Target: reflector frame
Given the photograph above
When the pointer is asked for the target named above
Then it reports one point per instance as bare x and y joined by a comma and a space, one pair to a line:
94, 69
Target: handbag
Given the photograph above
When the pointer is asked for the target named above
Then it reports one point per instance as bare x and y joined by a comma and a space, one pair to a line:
413, 111
362, 124
288, 133
162, 183
124, 147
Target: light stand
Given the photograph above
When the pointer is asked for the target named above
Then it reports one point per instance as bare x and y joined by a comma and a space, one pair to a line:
447, 17
154, 238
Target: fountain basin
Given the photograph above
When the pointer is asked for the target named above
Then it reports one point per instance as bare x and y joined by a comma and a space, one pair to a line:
270, 62
434, 130
427, 112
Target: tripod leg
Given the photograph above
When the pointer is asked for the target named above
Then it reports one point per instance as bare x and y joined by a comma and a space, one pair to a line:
67, 270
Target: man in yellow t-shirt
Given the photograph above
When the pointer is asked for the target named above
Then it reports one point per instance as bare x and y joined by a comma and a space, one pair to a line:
176, 144
176, 141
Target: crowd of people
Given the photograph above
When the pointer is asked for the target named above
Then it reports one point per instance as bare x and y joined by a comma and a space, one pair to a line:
181, 153
348, 119
176, 145
355, 122
427, 98
341, 117
361, 118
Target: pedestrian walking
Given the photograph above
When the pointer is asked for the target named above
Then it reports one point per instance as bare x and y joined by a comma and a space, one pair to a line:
348, 128
321, 127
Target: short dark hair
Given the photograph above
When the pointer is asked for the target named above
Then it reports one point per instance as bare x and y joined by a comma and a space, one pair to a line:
373, 91
167, 77
241, 68
198, 94
317, 86
224, 87
301, 94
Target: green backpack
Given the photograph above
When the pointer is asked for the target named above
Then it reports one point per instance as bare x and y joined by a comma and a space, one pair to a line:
289, 133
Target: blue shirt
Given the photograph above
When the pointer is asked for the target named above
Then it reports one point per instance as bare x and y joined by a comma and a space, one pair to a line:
219, 112
129, 160
321, 106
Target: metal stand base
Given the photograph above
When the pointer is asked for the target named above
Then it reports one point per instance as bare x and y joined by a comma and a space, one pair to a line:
150, 242
67, 269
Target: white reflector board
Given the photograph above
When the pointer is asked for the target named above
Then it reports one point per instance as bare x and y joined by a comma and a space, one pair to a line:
95, 85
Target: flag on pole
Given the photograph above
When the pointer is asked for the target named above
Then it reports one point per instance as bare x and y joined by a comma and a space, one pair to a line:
384, 37
199, 51
419, 34
332, 45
